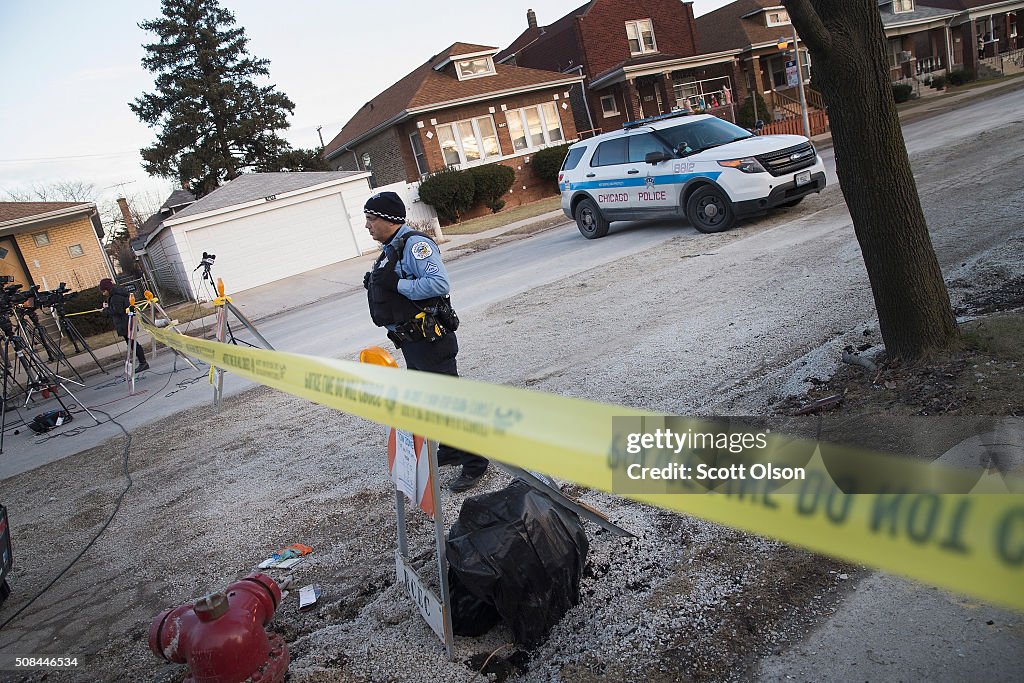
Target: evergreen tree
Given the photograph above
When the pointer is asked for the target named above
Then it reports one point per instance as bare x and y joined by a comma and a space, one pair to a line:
215, 122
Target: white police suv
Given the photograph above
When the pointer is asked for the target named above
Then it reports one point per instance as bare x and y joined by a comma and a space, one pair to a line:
700, 166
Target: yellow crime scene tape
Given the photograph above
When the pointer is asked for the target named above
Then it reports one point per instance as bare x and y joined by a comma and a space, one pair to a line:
970, 542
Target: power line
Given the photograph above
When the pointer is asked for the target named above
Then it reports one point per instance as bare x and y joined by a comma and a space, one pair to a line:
79, 156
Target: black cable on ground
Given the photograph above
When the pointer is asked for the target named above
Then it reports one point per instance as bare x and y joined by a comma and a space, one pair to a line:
117, 505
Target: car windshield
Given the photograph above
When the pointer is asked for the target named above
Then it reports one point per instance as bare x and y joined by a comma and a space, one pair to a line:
697, 136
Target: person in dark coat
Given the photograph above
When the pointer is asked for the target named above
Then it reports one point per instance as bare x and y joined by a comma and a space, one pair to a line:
409, 279
115, 306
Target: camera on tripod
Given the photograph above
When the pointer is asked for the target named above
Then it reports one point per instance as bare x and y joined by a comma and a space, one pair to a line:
206, 262
55, 298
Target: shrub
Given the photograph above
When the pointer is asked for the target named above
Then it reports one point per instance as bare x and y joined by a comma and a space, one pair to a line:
960, 76
548, 162
938, 82
490, 183
91, 323
745, 116
901, 92
450, 192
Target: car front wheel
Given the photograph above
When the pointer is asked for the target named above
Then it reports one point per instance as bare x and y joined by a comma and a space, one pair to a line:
709, 210
590, 221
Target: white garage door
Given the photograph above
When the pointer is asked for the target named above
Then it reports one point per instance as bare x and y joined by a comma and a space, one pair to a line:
277, 243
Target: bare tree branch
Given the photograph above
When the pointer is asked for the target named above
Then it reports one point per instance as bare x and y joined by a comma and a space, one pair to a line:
808, 24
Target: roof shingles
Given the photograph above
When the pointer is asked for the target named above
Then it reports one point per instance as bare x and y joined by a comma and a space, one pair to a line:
425, 87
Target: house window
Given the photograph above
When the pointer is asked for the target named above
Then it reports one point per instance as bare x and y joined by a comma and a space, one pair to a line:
41, 239
532, 127
900, 6
641, 37
75, 250
609, 107
469, 141
474, 68
776, 17
417, 152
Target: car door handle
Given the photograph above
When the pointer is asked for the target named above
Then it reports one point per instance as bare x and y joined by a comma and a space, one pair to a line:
590, 175
632, 171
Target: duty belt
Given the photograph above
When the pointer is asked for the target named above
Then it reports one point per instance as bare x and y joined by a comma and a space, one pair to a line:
424, 327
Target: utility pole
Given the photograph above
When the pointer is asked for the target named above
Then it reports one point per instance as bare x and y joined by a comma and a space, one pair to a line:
799, 79
318, 129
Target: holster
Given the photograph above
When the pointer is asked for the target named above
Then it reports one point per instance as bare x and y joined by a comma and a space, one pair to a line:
424, 327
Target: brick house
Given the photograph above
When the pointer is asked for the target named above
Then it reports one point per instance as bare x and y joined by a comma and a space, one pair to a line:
639, 58
458, 109
981, 30
46, 243
755, 29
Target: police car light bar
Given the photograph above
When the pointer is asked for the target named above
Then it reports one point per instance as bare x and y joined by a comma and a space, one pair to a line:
651, 119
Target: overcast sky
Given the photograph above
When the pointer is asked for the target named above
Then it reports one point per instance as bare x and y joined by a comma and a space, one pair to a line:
71, 67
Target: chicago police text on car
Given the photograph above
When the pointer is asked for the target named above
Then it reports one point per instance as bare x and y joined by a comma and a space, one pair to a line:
698, 166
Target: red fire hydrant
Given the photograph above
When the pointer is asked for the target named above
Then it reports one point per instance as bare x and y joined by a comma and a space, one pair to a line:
221, 636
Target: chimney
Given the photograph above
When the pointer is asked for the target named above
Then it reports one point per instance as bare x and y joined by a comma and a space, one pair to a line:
531, 18
133, 232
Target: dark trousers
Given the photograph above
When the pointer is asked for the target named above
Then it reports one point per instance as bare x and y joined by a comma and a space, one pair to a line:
439, 357
139, 353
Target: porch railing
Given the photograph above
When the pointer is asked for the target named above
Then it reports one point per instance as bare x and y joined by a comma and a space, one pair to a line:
794, 125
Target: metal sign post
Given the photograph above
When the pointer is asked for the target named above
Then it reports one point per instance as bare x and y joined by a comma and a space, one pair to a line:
412, 463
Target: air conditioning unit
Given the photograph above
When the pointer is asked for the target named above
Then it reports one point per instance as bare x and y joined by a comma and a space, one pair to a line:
904, 56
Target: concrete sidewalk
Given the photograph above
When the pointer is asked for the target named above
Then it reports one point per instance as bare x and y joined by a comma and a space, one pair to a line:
275, 298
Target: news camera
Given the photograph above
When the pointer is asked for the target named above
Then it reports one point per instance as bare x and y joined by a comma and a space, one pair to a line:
6, 278
206, 261
56, 298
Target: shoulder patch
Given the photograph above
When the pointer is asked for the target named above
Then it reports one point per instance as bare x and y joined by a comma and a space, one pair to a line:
432, 268
421, 250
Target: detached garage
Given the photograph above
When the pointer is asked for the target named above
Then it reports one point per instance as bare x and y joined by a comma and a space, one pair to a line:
264, 227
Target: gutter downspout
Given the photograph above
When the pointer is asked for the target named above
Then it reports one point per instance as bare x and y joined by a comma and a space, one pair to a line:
586, 104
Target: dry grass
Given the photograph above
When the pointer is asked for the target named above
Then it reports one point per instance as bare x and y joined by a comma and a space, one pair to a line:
504, 217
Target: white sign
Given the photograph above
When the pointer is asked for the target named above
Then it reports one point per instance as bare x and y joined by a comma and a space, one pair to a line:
792, 76
405, 464
427, 603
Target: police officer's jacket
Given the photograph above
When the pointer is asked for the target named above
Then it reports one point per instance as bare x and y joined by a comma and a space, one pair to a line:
423, 279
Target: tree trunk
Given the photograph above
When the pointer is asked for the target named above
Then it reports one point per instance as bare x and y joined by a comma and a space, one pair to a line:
847, 46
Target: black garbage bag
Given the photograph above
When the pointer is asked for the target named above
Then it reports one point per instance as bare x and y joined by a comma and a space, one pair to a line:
515, 554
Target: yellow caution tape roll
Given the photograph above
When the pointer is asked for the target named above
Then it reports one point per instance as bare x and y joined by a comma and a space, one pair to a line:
972, 543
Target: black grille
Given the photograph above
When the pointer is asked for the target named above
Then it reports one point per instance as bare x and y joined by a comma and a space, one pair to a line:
782, 162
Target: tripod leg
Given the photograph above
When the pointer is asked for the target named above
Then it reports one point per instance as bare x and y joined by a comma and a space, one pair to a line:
77, 337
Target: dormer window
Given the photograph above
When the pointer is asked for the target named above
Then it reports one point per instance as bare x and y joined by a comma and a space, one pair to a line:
474, 68
776, 17
901, 6
641, 37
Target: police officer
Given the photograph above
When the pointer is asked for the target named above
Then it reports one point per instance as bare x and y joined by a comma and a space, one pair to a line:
406, 287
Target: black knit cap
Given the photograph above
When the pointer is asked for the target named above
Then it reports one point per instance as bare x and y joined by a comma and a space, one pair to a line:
386, 205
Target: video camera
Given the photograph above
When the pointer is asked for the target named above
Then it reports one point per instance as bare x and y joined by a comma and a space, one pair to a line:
6, 278
206, 261
55, 298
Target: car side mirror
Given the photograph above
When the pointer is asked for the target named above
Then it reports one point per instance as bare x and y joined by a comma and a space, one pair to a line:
758, 125
657, 157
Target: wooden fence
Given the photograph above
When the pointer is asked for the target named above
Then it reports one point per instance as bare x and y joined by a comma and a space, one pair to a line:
794, 125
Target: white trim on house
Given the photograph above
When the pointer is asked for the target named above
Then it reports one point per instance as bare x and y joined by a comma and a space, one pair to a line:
469, 55
653, 68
